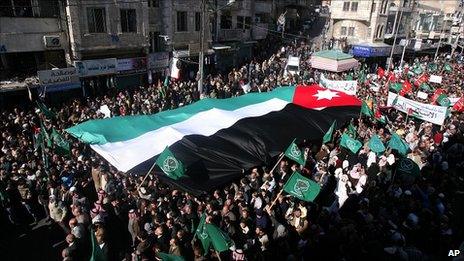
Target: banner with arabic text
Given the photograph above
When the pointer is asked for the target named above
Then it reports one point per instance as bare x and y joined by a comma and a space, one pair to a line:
348, 87
427, 112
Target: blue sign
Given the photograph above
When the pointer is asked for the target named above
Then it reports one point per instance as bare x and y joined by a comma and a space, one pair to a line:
370, 51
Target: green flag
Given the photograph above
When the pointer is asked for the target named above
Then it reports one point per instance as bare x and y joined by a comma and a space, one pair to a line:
328, 135
443, 100
362, 77
351, 131
45, 136
97, 252
408, 167
349, 77
201, 233
219, 239
425, 87
166, 81
171, 166
302, 187
350, 143
395, 87
448, 67
168, 257
46, 112
61, 145
376, 144
417, 69
38, 140
366, 110
398, 144
433, 67
294, 153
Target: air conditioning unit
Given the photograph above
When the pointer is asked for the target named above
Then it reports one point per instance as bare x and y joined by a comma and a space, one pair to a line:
52, 41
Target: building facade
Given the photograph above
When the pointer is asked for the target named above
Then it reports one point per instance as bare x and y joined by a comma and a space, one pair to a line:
130, 42
33, 37
358, 21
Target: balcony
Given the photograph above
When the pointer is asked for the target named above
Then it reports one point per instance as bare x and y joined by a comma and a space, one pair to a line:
233, 35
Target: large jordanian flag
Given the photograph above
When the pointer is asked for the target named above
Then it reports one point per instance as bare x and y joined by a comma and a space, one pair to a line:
218, 139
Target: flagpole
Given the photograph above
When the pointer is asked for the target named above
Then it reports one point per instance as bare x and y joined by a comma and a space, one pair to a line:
218, 255
146, 175
277, 197
278, 161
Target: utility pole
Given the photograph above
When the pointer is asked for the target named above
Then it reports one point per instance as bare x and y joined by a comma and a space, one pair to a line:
441, 32
395, 30
201, 56
410, 26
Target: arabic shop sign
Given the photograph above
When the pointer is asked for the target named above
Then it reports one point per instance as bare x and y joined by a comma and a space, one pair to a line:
59, 79
158, 60
427, 112
96, 67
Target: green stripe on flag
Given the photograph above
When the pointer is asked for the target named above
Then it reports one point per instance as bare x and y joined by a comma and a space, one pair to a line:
128, 127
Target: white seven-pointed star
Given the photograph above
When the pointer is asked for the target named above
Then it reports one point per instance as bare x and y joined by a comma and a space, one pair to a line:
325, 94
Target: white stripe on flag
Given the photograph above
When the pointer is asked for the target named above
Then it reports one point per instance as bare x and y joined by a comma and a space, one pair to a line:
127, 154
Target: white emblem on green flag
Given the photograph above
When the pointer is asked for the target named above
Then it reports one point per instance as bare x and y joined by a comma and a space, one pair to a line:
294, 153
350, 143
302, 187
408, 167
171, 166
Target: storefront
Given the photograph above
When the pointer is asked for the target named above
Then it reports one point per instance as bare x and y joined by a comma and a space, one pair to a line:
97, 76
132, 72
157, 64
58, 80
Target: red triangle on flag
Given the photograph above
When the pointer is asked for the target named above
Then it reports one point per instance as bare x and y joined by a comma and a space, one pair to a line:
459, 105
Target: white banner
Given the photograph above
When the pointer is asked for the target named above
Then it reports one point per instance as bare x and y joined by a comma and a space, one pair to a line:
131, 64
422, 95
348, 87
96, 67
427, 112
435, 78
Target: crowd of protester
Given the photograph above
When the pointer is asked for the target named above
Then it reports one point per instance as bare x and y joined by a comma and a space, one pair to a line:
364, 211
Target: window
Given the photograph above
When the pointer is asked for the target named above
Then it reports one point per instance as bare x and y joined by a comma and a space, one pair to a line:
155, 42
128, 21
197, 21
226, 22
247, 22
351, 31
96, 18
354, 6
346, 6
240, 22
374, 6
182, 21
343, 30
153, 3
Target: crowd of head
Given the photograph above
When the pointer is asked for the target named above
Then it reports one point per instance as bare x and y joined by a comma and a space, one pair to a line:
364, 211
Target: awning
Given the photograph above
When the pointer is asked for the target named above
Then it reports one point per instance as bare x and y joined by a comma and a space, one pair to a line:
334, 61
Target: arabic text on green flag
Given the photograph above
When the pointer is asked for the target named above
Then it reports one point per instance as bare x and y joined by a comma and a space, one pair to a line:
171, 166
295, 154
202, 234
328, 135
366, 110
350, 143
398, 144
376, 144
302, 187
408, 167
219, 239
